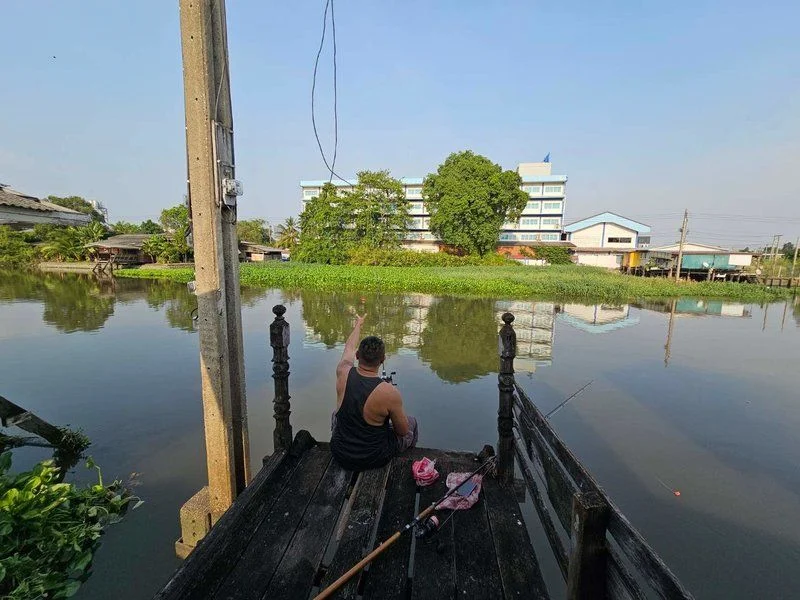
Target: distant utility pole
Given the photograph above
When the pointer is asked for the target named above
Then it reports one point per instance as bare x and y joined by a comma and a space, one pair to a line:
684, 229
794, 260
777, 246
212, 197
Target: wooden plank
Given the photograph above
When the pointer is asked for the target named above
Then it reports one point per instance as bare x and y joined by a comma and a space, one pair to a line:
620, 584
586, 579
295, 574
217, 552
516, 559
387, 576
544, 514
655, 571
477, 574
434, 558
12, 414
560, 488
254, 570
367, 498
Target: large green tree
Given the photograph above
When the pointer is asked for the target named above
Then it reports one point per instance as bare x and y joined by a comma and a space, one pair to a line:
469, 198
175, 218
175, 221
373, 215
326, 234
256, 231
380, 210
14, 250
80, 204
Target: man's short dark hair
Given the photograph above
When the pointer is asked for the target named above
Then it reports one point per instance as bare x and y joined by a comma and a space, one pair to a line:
371, 351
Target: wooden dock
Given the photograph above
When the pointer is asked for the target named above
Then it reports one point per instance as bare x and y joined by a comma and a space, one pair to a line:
304, 521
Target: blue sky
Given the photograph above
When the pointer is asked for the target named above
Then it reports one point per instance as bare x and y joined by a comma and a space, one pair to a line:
647, 107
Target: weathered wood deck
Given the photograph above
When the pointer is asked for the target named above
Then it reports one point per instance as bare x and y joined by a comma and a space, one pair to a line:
304, 521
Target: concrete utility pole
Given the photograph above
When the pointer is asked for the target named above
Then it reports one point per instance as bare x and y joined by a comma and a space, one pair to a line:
682, 243
794, 260
212, 197
777, 247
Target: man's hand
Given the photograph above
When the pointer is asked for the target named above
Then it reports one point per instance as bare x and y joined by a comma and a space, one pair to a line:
360, 319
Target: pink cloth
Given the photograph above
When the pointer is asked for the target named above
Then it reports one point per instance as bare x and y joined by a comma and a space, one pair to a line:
424, 471
457, 501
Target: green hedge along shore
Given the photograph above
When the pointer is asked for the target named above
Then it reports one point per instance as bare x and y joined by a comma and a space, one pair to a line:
515, 282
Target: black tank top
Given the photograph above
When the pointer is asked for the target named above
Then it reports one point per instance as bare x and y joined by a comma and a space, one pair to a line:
355, 444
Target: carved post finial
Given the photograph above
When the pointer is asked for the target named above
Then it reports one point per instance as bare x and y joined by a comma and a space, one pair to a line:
507, 349
279, 340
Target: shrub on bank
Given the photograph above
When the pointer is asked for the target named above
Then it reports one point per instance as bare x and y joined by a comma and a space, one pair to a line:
369, 257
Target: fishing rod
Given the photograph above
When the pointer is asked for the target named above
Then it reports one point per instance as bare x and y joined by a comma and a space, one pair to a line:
563, 404
328, 591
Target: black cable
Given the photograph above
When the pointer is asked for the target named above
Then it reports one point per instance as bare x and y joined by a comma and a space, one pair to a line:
335, 98
328, 3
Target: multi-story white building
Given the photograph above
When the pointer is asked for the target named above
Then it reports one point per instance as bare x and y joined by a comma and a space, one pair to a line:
541, 221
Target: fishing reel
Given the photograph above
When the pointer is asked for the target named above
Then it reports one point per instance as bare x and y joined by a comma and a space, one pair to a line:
388, 378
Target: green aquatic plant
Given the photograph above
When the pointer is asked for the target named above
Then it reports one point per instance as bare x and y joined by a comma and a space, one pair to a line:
564, 282
50, 530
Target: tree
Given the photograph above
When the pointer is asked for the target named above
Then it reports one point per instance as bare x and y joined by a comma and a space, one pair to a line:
326, 232
380, 210
256, 231
80, 204
373, 215
154, 246
65, 243
150, 227
121, 227
14, 250
288, 234
788, 250
469, 198
175, 218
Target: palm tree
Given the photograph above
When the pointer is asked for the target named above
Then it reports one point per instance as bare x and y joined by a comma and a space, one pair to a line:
288, 234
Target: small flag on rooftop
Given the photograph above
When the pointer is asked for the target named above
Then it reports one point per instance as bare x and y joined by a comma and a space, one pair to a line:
547, 158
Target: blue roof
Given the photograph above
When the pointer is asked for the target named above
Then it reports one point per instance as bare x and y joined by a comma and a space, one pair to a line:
341, 183
544, 179
607, 217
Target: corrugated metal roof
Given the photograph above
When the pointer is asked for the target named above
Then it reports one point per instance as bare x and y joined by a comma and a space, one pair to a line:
607, 217
127, 241
9, 197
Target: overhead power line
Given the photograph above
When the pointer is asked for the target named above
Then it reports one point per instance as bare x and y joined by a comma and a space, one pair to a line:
332, 165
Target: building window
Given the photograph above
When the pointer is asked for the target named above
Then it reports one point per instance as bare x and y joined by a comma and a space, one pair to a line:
530, 237
508, 237
552, 206
619, 240
549, 237
529, 221
416, 207
413, 192
310, 193
553, 189
533, 206
551, 221
532, 190
416, 223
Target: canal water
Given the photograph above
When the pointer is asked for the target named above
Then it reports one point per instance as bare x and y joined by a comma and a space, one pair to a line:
694, 397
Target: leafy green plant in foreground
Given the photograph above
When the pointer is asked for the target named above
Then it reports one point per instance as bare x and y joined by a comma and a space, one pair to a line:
49, 530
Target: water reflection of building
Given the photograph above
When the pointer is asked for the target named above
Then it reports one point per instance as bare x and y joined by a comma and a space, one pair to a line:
417, 307
598, 318
533, 323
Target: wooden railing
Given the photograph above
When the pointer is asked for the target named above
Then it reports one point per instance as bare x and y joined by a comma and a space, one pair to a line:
600, 554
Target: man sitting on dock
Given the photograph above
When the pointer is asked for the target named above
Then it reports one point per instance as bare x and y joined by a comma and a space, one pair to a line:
369, 426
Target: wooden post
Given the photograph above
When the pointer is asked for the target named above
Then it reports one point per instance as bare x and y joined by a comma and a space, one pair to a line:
507, 341
586, 577
209, 145
279, 340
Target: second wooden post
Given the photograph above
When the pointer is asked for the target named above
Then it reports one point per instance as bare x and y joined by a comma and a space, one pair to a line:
279, 340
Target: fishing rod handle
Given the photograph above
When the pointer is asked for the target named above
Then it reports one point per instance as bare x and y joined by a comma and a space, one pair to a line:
328, 591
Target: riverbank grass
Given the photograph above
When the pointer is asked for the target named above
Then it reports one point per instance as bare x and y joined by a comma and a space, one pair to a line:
512, 282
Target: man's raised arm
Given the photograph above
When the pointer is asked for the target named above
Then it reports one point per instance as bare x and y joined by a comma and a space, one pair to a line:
350, 347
